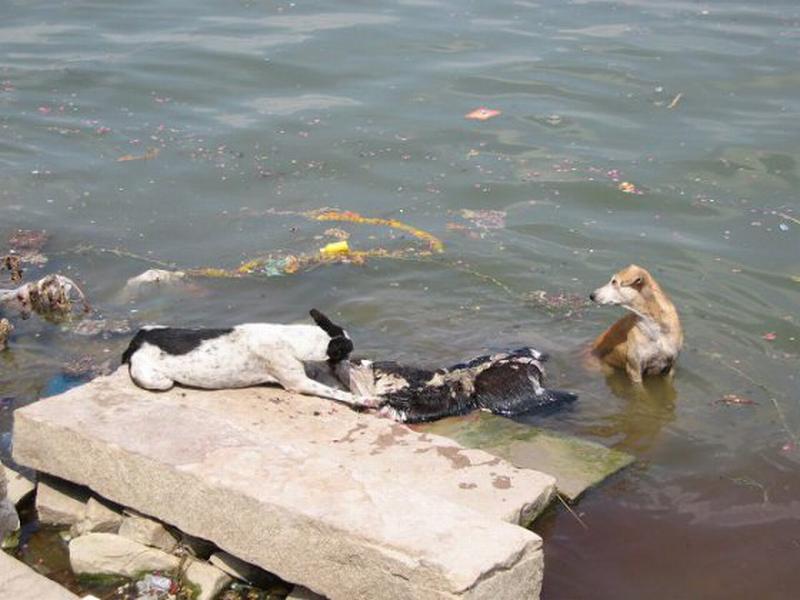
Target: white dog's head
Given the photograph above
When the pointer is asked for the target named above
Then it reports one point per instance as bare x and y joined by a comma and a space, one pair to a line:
626, 288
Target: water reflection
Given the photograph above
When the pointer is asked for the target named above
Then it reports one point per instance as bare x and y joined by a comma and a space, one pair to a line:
646, 409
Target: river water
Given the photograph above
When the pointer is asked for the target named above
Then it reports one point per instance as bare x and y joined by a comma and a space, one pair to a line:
237, 118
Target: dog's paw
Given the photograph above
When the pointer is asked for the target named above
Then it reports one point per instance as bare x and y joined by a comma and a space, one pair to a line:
370, 402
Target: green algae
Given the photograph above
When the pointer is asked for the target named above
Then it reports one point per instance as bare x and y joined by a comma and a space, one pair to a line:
576, 464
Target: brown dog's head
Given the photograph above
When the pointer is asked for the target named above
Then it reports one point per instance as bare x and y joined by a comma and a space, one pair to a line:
627, 288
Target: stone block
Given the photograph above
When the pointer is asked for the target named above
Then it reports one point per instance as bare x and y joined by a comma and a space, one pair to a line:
19, 486
97, 517
148, 532
112, 554
347, 504
60, 502
207, 577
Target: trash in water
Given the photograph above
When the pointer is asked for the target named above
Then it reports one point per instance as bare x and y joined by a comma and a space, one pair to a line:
558, 302
5, 332
770, 336
105, 327
12, 264
153, 277
155, 587
628, 188
27, 245
50, 297
149, 154
483, 114
735, 400
434, 243
486, 219
339, 234
335, 248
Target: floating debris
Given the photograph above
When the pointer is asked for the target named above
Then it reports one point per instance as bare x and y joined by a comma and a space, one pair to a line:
483, 114
27, 245
153, 277
339, 234
770, 336
434, 243
5, 331
566, 302
149, 154
736, 400
628, 188
12, 264
675, 100
486, 219
335, 248
107, 327
50, 297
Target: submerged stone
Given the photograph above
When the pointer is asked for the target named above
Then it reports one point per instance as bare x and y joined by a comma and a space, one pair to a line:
576, 464
19, 582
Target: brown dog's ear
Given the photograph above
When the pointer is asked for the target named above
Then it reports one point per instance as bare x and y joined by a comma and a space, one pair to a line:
635, 281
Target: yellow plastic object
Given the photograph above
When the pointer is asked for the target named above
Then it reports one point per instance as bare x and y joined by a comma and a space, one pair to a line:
434, 243
335, 248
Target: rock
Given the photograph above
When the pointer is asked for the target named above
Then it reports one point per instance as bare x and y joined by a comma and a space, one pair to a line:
301, 593
347, 504
197, 547
97, 517
153, 277
147, 531
19, 582
240, 569
9, 520
207, 577
60, 502
111, 554
19, 486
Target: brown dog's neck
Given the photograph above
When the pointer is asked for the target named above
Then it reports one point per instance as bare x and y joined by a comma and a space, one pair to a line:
654, 309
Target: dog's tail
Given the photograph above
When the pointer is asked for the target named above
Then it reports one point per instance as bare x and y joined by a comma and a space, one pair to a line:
328, 326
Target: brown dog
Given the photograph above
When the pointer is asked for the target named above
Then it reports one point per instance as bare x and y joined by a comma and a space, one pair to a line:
647, 341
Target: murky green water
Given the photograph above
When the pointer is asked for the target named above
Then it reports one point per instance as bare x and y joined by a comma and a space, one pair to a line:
293, 106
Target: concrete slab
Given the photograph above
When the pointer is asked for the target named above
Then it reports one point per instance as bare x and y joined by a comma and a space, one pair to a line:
19, 582
348, 505
576, 464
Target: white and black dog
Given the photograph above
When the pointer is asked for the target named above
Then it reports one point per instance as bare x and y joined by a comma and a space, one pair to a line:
241, 356
506, 384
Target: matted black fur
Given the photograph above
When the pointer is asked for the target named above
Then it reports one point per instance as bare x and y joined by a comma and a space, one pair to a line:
506, 384
422, 402
172, 340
